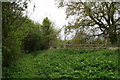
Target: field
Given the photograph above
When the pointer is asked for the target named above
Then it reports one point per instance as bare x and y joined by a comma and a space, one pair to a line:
66, 63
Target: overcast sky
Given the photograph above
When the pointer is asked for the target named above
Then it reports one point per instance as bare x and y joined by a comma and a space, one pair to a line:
47, 8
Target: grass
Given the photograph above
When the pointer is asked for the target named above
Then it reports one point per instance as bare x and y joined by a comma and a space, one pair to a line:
66, 63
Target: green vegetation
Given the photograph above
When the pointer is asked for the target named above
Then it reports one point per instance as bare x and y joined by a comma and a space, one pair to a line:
41, 36
66, 63
88, 15
20, 34
27, 46
14, 30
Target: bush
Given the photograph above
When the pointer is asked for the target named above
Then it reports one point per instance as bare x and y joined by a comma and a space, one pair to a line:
34, 40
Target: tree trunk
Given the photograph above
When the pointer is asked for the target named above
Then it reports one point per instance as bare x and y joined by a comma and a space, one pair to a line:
113, 38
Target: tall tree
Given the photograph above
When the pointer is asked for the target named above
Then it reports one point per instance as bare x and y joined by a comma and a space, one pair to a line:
101, 17
80, 38
49, 32
13, 29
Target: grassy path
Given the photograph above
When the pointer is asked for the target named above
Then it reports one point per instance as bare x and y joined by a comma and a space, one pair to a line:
66, 64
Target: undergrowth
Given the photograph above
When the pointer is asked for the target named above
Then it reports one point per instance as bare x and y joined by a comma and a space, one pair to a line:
66, 63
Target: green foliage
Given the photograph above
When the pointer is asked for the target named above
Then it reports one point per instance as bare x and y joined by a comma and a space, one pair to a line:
58, 43
34, 40
68, 63
49, 32
96, 18
22, 34
13, 31
40, 37
80, 38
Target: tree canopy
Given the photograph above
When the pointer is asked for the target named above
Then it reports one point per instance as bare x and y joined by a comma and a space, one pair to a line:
14, 29
49, 32
20, 34
101, 17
